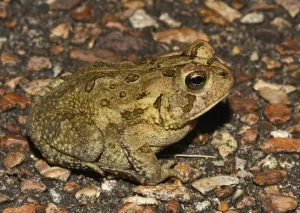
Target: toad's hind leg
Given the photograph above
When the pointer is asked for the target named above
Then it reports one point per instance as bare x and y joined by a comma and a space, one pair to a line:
57, 158
71, 140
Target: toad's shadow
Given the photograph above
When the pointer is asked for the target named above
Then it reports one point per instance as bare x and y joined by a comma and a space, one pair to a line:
207, 123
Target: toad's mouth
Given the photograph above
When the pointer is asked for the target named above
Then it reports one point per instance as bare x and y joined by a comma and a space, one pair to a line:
176, 123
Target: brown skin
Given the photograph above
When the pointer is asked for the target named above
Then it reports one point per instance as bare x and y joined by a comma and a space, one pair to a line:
113, 117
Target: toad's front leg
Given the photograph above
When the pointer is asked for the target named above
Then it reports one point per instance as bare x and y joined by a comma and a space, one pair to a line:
146, 168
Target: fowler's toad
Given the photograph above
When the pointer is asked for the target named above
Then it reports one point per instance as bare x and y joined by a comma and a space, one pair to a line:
113, 117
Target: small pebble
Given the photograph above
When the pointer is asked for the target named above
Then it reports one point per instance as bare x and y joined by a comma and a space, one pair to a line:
205, 185
88, 195
253, 18
280, 134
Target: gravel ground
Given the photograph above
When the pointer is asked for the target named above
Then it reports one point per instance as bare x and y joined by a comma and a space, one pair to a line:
252, 141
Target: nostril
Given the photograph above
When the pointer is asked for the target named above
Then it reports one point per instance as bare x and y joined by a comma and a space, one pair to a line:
223, 74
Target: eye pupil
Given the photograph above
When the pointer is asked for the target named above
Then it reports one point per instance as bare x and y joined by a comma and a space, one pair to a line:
195, 80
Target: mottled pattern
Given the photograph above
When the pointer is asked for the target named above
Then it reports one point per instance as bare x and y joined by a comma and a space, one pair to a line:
113, 117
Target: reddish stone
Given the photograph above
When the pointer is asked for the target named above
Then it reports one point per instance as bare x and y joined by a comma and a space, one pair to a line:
271, 190
26, 172
267, 35
12, 143
135, 4
13, 128
270, 177
224, 191
41, 165
71, 186
266, 127
35, 208
108, 17
279, 203
82, 13
294, 128
3, 13
244, 77
8, 58
290, 46
277, 113
38, 63
276, 145
239, 104
2, 91
31, 185
210, 16
173, 206
13, 100
297, 116
182, 34
13, 159
63, 4
56, 49
223, 206
261, 5
93, 55
120, 42
247, 201
268, 74
4, 198
10, 23
27, 207
237, 4
249, 137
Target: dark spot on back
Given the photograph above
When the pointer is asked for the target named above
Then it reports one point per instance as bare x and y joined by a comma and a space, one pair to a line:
141, 95
112, 86
104, 102
122, 94
132, 77
168, 73
132, 115
89, 86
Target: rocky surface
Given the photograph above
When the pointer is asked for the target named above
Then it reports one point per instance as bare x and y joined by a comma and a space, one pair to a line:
258, 40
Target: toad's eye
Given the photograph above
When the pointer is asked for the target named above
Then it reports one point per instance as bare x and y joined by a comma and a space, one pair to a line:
195, 80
